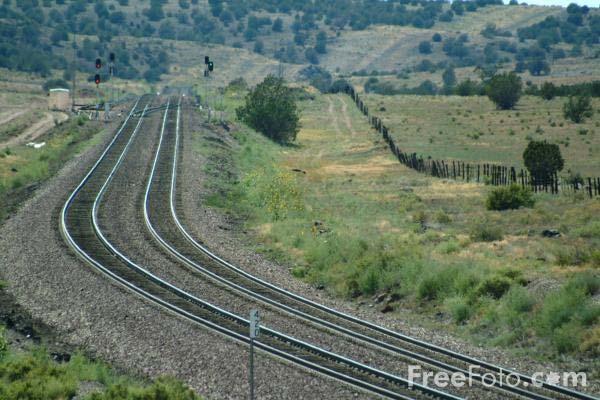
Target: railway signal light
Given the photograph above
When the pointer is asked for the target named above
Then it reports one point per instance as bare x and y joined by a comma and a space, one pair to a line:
98, 63
210, 66
206, 60
111, 57
97, 79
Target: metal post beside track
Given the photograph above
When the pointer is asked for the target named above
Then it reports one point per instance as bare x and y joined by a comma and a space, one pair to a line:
254, 331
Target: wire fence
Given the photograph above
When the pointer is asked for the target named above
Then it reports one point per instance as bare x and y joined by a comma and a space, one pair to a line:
492, 174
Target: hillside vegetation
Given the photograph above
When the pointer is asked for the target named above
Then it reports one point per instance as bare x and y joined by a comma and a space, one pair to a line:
403, 38
344, 215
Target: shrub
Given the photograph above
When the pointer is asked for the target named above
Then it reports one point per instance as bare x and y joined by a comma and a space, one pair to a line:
449, 247
459, 309
494, 287
548, 90
270, 108
276, 192
505, 90
485, 232
429, 288
425, 47
577, 109
566, 313
509, 198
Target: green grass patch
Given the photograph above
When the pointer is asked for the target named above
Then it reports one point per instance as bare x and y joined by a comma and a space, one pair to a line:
345, 215
21, 167
32, 374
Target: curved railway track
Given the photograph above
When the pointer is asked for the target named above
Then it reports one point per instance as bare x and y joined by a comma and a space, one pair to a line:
80, 229
165, 226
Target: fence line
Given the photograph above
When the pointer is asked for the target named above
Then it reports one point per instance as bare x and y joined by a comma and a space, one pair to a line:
493, 174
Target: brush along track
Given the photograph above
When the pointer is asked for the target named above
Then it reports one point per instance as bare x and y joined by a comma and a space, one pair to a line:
166, 228
80, 228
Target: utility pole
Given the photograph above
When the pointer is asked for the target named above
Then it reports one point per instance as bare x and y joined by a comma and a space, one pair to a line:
254, 331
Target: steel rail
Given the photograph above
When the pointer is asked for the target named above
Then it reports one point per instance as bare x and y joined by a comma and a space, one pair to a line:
183, 313
411, 356
361, 368
483, 378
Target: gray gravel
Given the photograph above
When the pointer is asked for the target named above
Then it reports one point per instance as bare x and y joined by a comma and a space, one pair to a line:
121, 220
90, 312
224, 237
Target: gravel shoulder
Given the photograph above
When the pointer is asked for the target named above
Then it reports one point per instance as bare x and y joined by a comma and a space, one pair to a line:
226, 237
88, 311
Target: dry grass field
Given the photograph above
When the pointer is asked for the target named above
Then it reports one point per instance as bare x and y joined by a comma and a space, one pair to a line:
472, 129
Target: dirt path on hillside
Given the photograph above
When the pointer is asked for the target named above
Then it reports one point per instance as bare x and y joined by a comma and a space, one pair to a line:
346, 117
5, 118
36, 130
334, 116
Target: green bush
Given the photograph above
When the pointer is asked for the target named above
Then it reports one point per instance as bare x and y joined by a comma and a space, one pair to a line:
270, 108
509, 198
566, 313
459, 309
485, 232
505, 90
34, 375
495, 287
577, 109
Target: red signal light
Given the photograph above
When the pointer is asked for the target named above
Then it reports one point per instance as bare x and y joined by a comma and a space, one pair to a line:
97, 79
98, 63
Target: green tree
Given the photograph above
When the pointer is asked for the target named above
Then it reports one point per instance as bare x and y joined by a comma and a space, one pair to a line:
259, 47
321, 45
505, 90
425, 47
277, 25
270, 108
548, 90
449, 77
543, 160
311, 55
578, 108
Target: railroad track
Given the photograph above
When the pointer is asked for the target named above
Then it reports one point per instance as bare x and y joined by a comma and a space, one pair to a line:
81, 230
165, 226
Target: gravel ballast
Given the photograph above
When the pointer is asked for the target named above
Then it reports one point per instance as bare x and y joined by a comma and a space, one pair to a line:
224, 237
121, 220
90, 312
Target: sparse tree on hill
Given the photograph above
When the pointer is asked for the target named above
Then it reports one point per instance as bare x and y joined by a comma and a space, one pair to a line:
425, 47
277, 25
270, 108
505, 90
449, 78
577, 109
548, 90
543, 160
259, 47
321, 46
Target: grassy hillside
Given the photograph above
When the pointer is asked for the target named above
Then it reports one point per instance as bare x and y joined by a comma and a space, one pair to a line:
359, 224
250, 38
471, 129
